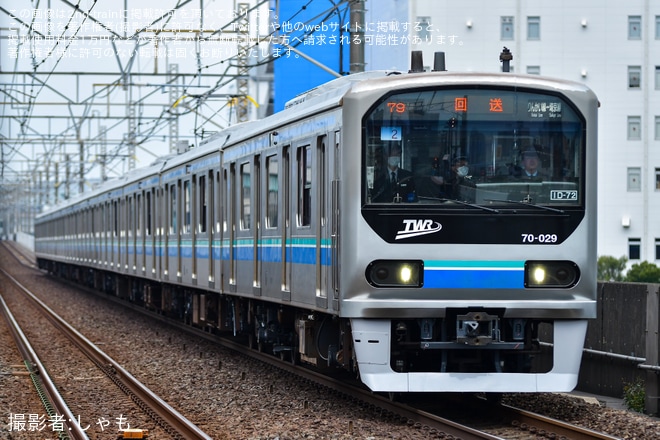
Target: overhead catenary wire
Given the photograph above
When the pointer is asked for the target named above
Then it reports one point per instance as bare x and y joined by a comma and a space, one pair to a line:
199, 105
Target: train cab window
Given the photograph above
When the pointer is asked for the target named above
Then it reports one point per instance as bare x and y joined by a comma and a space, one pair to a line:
304, 185
246, 192
272, 168
475, 146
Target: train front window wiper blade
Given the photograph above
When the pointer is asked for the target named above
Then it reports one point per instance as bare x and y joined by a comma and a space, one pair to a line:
472, 205
547, 208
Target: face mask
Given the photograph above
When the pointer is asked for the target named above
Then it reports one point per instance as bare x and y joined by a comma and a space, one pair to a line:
393, 161
462, 171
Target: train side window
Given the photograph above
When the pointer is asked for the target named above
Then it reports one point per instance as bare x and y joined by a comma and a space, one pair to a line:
115, 220
129, 216
147, 229
304, 158
139, 226
272, 168
186, 207
123, 213
203, 204
217, 204
246, 184
172, 209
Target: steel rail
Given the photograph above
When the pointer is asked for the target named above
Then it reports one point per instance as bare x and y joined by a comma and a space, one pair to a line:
160, 410
38, 373
544, 425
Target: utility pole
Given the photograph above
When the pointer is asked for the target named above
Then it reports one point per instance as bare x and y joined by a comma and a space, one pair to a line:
357, 34
242, 79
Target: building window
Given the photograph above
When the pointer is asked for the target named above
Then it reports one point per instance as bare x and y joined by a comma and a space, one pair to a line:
657, 77
506, 32
634, 179
634, 27
657, 179
533, 28
634, 76
657, 248
634, 248
634, 128
423, 28
533, 70
657, 128
657, 27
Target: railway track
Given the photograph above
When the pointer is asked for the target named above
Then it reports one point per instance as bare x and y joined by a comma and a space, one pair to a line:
512, 422
175, 424
519, 423
54, 403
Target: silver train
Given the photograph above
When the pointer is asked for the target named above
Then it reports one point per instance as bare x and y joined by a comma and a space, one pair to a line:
420, 230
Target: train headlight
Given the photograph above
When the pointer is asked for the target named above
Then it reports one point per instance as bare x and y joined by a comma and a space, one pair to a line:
540, 274
395, 273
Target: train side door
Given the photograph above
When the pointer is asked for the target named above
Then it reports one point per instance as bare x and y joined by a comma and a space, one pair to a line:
172, 263
150, 247
141, 235
256, 225
123, 265
322, 226
286, 223
116, 248
334, 219
231, 218
184, 229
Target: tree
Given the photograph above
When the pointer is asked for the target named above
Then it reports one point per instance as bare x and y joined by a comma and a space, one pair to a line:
644, 272
611, 269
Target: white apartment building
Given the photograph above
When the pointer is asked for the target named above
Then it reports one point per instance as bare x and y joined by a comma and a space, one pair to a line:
611, 46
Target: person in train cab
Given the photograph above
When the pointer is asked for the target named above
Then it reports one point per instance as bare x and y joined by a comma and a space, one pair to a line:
530, 165
396, 184
457, 184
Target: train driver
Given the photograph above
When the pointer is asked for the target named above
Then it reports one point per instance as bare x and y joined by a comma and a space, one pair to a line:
394, 184
531, 165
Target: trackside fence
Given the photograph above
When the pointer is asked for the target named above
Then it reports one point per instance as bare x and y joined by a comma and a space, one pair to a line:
622, 344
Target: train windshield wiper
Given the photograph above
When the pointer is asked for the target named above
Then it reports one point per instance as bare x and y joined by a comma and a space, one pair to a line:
547, 208
472, 205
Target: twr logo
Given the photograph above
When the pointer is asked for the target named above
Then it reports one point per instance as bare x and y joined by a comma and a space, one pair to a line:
415, 227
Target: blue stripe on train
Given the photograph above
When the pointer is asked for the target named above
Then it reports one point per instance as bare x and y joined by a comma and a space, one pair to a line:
474, 274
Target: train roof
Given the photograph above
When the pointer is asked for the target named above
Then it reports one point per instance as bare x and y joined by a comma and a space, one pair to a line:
320, 98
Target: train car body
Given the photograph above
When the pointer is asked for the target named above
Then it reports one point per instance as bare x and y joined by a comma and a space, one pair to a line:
383, 223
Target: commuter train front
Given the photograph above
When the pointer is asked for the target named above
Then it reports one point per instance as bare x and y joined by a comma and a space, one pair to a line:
468, 229
426, 230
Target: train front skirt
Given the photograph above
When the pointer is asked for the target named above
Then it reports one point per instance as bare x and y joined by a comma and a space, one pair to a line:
371, 339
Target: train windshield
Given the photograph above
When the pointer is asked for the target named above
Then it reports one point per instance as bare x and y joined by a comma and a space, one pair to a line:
476, 146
